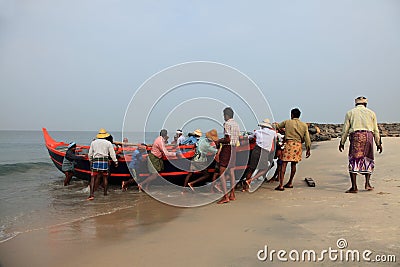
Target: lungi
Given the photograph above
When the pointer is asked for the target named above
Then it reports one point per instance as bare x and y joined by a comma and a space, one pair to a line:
100, 164
154, 164
227, 156
292, 151
361, 152
67, 165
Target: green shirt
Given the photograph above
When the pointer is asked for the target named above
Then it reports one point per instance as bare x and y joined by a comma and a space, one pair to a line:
296, 130
203, 147
360, 118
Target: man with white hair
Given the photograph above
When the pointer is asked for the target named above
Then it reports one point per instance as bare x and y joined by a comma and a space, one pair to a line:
361, 124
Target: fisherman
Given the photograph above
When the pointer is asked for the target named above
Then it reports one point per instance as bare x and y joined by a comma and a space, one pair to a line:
227, 156
362, 125
69, 162
193, 138
99, 152
155, 161
180, 136
134, 165
278, 155
296, 132
262, 156
199, 163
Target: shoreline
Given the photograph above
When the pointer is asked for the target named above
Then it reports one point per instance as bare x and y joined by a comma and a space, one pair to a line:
301, 218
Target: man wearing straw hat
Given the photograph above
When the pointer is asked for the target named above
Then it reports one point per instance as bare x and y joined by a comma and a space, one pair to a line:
193, 138
99, 151
200, 162
263, 153
361, 124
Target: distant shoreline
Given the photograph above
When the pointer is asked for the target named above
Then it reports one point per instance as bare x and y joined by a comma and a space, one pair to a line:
318, 131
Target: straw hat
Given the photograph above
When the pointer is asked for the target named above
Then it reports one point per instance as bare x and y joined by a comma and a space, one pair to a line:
361, 100
102, 133
212, 134
198, 132
265, 123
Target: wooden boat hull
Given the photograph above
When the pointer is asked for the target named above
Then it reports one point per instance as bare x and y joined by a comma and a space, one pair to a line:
121, 173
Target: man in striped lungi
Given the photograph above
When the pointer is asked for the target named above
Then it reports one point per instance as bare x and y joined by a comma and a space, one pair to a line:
360, 122
99, 151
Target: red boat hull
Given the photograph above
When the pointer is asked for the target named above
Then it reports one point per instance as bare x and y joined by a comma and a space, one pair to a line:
171, 173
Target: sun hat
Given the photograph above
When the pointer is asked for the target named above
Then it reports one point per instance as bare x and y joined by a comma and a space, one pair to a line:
361, 100
179, 131
102, 133
72, 144
198, 132
212, 134
265, 123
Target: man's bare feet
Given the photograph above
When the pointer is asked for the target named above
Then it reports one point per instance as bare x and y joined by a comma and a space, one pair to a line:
248, 182
245, 186
352, 190
90, 198
223, 200
288, 185
369, 187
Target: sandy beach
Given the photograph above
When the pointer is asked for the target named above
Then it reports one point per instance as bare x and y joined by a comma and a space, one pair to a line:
302, 218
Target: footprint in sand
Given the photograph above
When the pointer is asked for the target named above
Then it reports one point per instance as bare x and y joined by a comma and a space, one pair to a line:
383, 193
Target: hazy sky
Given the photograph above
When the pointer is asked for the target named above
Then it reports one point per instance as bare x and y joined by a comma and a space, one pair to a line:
75, 64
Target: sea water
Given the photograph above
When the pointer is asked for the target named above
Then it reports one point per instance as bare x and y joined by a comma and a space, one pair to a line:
32, 195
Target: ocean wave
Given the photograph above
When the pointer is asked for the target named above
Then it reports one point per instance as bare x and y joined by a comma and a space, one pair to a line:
22, 167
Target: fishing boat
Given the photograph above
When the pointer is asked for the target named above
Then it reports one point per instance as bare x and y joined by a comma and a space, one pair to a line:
172, 173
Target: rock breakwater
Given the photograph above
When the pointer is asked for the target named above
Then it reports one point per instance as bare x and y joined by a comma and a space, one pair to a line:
328, 131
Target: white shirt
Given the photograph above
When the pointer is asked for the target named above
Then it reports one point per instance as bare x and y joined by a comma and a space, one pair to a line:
265, 138
101, 148
181, 139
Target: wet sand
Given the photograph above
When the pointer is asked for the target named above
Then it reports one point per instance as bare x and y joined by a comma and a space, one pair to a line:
302, 218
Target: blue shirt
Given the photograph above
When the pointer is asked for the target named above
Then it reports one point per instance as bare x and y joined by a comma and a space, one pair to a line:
137, 157
191, 140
